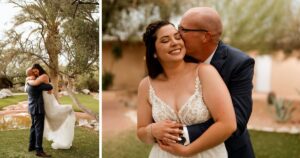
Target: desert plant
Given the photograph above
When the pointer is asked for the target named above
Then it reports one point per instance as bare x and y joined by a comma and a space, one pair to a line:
107, 80
270, 98
298, 91
283, 109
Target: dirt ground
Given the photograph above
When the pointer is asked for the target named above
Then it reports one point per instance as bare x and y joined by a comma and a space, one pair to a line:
263, 115
116, 120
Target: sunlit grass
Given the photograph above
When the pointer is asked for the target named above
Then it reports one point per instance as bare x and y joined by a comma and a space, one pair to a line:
86, 100
14, 144
12, 100
266, 145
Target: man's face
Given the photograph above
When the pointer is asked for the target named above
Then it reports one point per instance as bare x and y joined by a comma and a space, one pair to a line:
36, 72
191, 36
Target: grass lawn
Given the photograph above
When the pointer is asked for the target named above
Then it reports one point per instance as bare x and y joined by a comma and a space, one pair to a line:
126, 145
14, 144
86, 100
274, 145
12, 100
266, 145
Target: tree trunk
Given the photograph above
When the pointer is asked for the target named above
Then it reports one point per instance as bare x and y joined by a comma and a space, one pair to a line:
54, 80
77, 103
53, 47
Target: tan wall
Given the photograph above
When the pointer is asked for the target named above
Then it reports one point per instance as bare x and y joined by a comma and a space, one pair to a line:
286, 76
130, 70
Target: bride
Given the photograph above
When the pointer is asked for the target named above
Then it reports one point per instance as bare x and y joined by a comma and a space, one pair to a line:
59, 119
184, 93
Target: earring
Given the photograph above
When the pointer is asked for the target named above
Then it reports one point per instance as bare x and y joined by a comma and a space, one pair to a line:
154, 56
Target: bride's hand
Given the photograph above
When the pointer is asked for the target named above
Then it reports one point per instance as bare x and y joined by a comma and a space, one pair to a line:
174, 148
167, 131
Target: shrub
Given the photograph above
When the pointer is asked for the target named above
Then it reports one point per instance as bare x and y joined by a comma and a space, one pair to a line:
283, 109
87, 82
107, 80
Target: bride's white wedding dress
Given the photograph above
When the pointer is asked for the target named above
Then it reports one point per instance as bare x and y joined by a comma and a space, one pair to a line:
59, 122
194, 111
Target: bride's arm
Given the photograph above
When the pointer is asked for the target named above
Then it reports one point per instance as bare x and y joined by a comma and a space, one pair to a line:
41, 79
144, 114
218, 101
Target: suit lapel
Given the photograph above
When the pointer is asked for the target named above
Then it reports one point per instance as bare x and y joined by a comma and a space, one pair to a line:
219, 57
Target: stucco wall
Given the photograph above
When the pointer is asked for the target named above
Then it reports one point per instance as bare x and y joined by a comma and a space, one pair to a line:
130, 69
285, 73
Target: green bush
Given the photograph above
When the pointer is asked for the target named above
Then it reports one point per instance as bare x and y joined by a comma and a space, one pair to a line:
93, 85
107, 80
87, 82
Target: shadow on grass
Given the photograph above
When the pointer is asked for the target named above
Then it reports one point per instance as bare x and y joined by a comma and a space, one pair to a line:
14, 144
266, 145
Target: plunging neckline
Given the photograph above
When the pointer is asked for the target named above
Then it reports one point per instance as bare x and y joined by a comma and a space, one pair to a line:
183, 105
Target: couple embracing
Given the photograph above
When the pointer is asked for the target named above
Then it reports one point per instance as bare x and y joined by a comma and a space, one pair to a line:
197, 99
49, 119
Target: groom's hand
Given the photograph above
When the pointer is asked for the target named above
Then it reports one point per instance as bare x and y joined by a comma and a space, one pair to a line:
167, 131
175, 149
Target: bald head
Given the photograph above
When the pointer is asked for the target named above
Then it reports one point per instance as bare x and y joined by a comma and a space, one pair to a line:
29, 72
204, 18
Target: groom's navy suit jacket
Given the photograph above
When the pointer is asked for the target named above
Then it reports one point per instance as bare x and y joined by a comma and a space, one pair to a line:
35, 98
236, 69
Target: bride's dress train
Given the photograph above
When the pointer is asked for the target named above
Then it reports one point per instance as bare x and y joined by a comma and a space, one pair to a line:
59, 122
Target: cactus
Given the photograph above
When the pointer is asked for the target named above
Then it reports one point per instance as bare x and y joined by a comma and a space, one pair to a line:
283, 109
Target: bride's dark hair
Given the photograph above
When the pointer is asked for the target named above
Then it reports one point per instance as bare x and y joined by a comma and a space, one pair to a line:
154, 67
39, 67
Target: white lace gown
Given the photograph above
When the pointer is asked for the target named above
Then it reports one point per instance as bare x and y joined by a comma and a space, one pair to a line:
194, 111
59, 122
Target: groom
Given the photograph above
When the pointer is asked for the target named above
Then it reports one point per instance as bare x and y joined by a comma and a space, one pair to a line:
201, 29
37, 112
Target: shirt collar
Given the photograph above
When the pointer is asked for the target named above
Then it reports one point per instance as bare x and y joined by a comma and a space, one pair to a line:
208, 60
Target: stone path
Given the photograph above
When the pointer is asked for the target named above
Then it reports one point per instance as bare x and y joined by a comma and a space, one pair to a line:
21, 109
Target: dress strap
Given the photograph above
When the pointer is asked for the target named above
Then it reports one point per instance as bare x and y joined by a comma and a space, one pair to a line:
151, 89
197, 80
149, 82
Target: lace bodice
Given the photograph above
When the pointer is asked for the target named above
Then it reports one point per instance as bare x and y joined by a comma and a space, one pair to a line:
194, 111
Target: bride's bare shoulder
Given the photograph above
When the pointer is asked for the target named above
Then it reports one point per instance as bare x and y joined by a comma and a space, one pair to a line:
44, 77
144, 83
207, 72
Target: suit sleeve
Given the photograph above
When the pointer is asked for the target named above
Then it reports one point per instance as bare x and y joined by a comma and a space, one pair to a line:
240, 88
44, 87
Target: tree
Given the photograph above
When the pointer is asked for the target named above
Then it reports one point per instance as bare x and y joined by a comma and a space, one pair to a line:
119, 16
54, 33
249, 25
81, 44
45, 14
